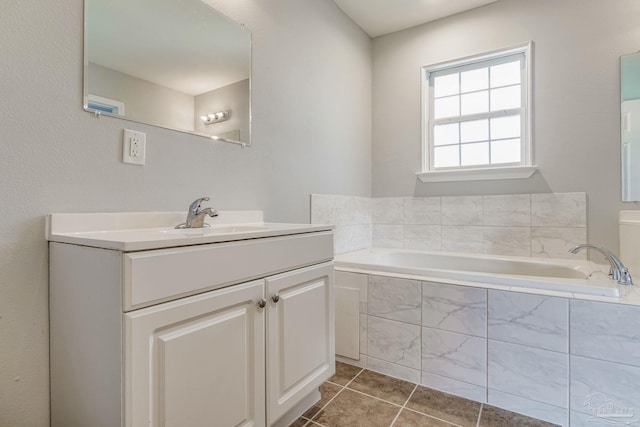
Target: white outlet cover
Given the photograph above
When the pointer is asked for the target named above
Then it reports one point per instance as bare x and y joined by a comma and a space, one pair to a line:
134, 147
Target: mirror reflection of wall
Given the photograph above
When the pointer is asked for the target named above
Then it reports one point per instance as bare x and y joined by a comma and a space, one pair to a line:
168, 68
630, 126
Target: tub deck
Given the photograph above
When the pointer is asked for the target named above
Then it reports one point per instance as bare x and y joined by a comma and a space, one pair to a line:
554, 275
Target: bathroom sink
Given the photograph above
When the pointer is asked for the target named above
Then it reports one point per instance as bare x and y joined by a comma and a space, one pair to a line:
223, 229
136, 231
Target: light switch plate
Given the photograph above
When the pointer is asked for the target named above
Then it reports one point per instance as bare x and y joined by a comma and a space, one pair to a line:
134, 147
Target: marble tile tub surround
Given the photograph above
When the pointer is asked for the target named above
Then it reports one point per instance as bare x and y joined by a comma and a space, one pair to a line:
557, 359
543, 225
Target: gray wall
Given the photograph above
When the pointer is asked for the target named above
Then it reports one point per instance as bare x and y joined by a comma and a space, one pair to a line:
311, 133
144, 101
576, 98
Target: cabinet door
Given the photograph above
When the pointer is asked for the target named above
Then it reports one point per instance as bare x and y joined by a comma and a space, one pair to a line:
198, 361
300, 336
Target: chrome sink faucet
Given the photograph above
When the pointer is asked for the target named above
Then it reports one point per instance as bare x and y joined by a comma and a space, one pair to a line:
618, 271
196, 215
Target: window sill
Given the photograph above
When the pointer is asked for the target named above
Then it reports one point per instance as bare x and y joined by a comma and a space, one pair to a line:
509, 172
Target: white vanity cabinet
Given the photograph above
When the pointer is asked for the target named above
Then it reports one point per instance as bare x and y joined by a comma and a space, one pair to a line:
197, 359
300, 335
237, 333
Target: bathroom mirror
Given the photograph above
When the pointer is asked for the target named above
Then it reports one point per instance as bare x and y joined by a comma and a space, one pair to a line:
177, 64
630, 126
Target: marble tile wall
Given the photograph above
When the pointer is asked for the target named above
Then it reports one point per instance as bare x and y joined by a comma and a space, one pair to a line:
605, 362
534, 320
454, 308
527, 372
566, 361
456, 356
351, 217
454, 345
538, 225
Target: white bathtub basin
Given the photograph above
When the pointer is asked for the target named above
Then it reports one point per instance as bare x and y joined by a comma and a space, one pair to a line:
574, 276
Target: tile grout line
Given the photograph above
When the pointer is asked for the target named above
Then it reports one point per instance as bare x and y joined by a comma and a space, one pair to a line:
400, 407
449, 423
374, 397
480, 414
404, 405
343, 387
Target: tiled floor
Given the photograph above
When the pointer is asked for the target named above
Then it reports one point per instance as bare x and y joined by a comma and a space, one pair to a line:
356, 397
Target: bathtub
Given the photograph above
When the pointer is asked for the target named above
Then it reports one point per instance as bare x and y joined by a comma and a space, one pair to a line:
577, 277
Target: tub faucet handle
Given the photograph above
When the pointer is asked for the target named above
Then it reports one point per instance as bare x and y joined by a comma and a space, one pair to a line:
618, 271
625, 277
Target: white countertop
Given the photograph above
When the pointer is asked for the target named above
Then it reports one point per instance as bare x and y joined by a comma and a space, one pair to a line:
137, 231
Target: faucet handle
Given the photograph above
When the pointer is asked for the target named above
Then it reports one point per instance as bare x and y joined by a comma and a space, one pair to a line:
195, 205
625, 277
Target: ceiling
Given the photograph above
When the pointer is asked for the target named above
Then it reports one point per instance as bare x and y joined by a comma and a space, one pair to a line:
379, 17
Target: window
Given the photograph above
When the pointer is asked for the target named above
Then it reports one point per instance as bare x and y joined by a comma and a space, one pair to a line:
477, 114
104, 105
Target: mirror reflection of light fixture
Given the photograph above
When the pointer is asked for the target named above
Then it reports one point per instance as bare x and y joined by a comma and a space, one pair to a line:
218, 117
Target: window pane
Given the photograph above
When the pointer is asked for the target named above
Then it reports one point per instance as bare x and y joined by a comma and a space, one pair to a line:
476, 130
474, 80
473, 103
505, 98
446, 85
506, 151
505, 127
475, 154
446, 107
445, 134
505, 74
446, 156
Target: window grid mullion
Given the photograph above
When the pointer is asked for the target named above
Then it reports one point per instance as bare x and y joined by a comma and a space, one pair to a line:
471, 92
460, 111
478, 116
489, 120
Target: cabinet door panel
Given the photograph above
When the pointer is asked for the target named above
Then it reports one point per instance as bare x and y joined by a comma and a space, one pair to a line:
300, 343
198, 361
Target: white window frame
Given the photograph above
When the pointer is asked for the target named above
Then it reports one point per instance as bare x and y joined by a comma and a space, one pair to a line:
525, 168
118, 106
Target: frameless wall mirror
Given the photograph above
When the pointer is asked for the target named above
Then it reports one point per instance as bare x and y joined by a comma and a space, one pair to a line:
177, 64
630, 126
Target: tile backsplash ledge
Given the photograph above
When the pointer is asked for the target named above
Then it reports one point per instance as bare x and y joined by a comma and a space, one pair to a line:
543, 225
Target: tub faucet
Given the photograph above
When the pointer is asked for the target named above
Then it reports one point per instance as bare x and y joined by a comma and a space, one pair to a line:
618, 271
195, 215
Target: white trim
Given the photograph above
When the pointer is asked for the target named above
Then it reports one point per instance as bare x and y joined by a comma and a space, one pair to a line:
484, 174
492, 54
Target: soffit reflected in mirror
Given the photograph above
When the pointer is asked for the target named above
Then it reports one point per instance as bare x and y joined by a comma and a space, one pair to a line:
630, 126
177, 64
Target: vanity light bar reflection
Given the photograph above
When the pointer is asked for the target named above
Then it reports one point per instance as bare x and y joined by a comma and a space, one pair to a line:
218, 117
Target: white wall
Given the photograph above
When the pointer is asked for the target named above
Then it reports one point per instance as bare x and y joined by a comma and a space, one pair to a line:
311, 133
576, 98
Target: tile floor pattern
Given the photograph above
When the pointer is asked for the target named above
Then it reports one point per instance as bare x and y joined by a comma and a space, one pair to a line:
356, 397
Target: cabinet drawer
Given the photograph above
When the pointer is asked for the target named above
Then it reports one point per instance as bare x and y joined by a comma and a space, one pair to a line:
155, 276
